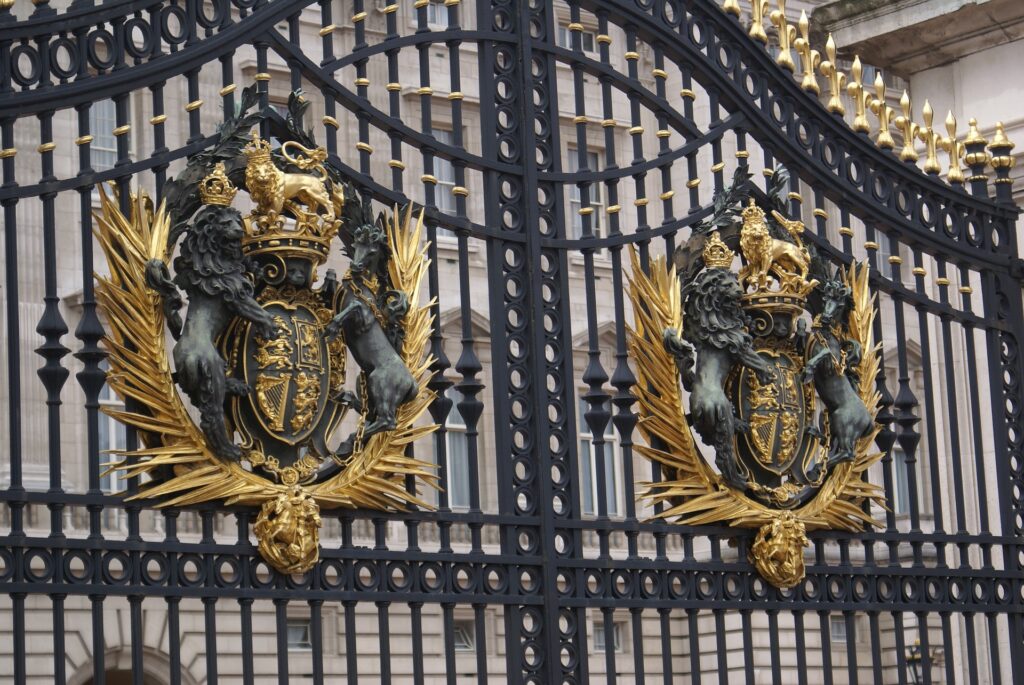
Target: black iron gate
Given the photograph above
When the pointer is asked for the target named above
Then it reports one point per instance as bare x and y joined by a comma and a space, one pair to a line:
612, 124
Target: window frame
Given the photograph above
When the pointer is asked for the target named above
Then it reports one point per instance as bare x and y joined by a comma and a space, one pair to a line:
597, 199
302, 623
588, 470
452, 428
563, 39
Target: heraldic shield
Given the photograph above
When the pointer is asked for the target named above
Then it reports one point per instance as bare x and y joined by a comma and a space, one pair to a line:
261, 355
777, 364
777, 413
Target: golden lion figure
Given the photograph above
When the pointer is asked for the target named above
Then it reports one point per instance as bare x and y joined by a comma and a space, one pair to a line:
789, 262
271, 189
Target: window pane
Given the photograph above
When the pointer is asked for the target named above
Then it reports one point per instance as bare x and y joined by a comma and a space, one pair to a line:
587, 466
102, 122
611, 483
464, 636
454, 416
902, 494
458, 469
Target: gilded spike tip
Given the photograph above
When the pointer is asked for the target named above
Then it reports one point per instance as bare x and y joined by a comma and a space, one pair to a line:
836, 78
787, 34
905, 123
758, 8
809, 57
861, 98
731, 7
931, 139
881, 109
955, 148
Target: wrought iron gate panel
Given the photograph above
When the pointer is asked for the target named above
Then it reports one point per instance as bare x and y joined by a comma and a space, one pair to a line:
532, 243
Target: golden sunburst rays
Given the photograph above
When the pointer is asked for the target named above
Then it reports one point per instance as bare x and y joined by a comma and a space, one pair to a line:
693, 493
140, 373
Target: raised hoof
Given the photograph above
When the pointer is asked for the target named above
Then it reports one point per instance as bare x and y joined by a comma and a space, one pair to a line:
237, 387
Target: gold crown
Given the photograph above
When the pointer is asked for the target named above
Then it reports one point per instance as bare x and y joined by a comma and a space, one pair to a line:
258, 150
717, 254
216, 188
285, 226
752, 214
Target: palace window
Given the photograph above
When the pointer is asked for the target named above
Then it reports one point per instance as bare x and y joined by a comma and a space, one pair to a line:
837, 629
576, 197
590, 465
437, 14
444, 172
600, 645
457, 450
300, 637
464, 635
901, 481
587, 39
102, 122
111, 440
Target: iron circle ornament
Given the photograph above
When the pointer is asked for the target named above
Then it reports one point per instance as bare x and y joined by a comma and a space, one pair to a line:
262, 353
778, 363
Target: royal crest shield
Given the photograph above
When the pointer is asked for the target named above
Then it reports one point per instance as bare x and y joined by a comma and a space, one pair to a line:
261, 356
779, 363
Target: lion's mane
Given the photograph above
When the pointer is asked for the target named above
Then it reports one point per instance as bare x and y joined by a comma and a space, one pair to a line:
714, 315
210, 262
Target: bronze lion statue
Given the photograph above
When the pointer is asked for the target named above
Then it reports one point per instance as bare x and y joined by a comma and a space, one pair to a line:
716, 338
210, 270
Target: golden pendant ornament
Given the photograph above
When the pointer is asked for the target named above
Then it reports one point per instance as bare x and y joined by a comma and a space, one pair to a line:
261, 354
778, 363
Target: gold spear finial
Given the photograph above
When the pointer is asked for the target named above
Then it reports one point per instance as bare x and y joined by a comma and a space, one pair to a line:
955, 148
861, 98
836, 78
809, 57
758, 8
931, 139
731, 7
884, 112
787, 34
905, 123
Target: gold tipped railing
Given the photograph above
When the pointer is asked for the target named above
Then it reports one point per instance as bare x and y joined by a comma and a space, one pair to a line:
974, 151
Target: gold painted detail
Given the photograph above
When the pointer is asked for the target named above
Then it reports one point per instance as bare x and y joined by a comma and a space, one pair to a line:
288, 530
787, 34
272, 399
307, 393
696, 493
931, 139
778, 550
758, 9
810, 59
173, 444
835, 77
860, 96
881, 109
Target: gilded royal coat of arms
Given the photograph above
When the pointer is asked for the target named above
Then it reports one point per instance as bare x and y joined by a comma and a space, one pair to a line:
773, 366
250, 406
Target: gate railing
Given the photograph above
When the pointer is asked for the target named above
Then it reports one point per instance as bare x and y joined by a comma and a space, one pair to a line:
612, 125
